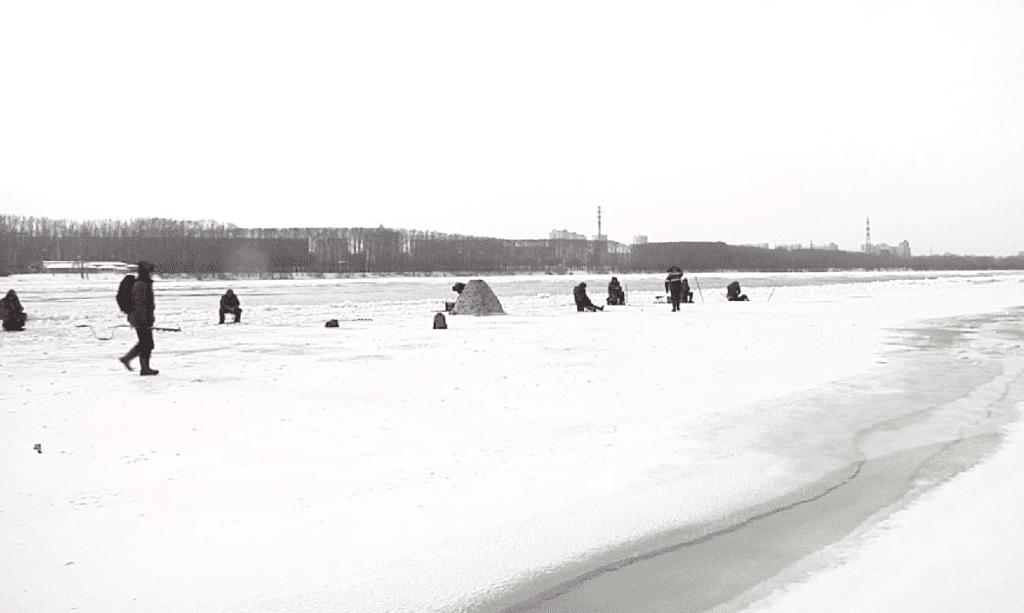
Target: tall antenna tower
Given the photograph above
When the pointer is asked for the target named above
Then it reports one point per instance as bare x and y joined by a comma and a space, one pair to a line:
867, 237
598, 223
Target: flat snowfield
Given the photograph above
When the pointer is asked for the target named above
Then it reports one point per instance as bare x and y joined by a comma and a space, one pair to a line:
851, 444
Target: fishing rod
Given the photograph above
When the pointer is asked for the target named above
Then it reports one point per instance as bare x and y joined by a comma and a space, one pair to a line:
698, 288
113, 330
770, 295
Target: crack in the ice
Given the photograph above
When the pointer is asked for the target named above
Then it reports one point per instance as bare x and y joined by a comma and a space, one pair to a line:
567, 587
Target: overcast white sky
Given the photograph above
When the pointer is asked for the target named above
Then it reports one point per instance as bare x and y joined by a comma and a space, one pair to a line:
746, 121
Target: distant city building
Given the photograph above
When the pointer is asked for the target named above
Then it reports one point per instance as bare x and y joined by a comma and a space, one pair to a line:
599, 237
619, 248
757, 245
791, 247
566, 235
899, 251
641, 239
67, 266
828, 247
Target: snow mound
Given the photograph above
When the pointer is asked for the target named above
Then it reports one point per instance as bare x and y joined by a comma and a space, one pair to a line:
477, 299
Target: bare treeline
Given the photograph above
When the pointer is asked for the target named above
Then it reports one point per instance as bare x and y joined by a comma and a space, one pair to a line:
209, 247
708, 256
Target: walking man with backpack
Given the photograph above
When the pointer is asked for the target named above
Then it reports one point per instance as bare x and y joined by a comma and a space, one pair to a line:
141, 317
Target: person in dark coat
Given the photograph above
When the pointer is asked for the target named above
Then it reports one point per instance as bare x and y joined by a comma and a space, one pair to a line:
674, 286
687, 294
229, 304
583, 302
142, 319
732, 293
11, 312
615, 293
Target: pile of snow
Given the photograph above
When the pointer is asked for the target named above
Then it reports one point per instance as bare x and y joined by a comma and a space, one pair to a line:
477, 298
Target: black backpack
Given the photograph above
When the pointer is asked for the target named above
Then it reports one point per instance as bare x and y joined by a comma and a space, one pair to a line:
124, 294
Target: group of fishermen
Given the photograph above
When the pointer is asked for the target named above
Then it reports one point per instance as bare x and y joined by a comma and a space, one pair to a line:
140, 307
676, 286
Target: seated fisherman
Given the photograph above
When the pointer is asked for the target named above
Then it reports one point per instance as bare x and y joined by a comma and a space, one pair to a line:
583, 302
686, 294
11, 312
615, 293
733, 293
229, 304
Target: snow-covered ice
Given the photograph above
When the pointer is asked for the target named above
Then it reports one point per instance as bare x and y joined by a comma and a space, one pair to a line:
385, 466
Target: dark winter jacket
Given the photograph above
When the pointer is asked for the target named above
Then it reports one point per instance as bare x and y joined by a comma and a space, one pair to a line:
673, 282
10, 306
733, 292
579, 293
142, 315
229, 301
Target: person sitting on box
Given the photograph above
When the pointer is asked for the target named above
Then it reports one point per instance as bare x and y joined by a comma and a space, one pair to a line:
615, 294
229, 304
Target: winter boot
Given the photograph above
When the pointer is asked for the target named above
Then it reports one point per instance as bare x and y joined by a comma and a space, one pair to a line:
126, 360
146, 370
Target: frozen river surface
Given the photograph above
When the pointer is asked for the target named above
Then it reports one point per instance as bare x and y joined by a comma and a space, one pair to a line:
385, 466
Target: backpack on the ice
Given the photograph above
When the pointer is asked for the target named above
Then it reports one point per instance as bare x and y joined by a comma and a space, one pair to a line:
124, 294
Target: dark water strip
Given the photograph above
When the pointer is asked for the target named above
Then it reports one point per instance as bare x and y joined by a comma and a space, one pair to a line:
700, 574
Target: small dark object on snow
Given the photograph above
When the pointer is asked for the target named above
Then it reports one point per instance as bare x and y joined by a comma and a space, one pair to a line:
331, 323
38, 447
439, 322
732, 293
448, 306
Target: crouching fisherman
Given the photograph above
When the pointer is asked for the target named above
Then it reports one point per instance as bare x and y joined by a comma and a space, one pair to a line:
686, 293
732, 293
615, 294
583, 302
229, 304
142, 319
11, 312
